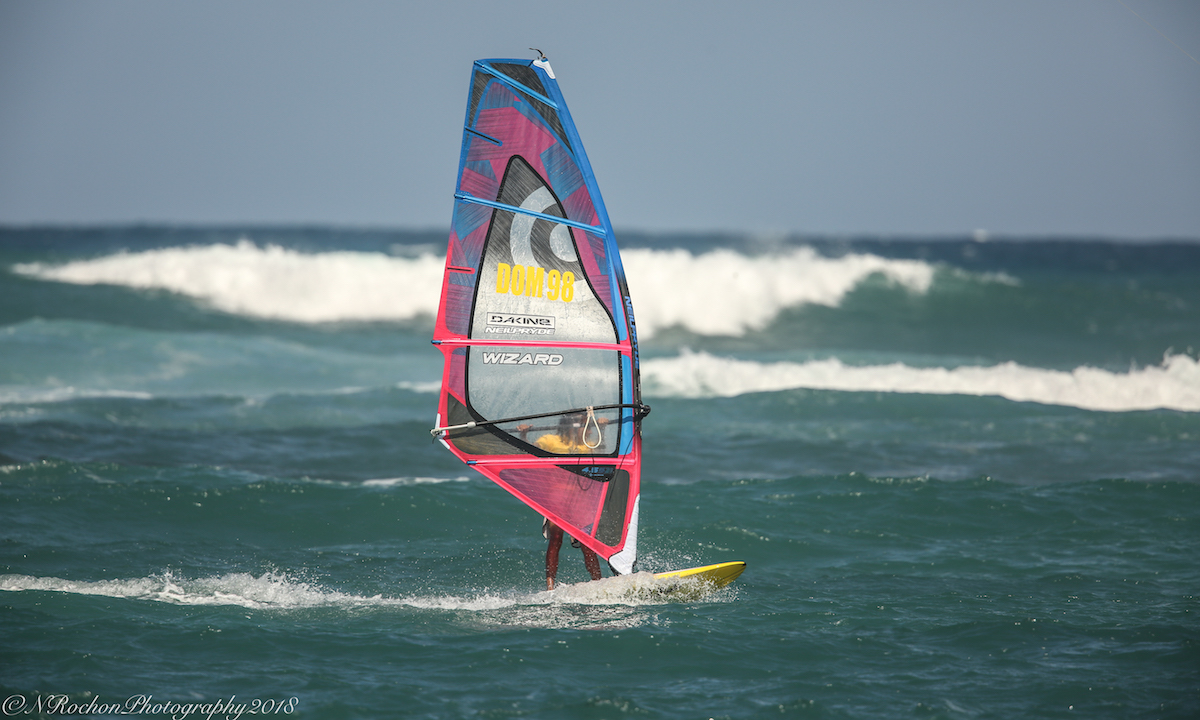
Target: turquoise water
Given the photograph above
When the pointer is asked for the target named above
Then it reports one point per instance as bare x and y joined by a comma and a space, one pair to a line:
964, 476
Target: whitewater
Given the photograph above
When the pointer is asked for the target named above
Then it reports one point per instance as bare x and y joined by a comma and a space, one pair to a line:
711, 294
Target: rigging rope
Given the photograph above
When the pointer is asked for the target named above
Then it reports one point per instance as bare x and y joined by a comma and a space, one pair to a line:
591, 420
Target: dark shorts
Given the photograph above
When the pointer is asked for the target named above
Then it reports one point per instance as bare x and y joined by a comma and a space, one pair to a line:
546, 533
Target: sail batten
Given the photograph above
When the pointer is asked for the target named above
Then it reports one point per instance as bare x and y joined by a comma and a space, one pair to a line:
540, 389
485, 67
464, 342
467, 197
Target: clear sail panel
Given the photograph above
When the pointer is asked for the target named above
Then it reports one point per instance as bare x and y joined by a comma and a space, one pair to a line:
505, 382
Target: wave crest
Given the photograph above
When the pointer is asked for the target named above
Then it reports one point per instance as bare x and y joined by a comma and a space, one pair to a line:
721, 292
1174, 385
726, 293
270, 282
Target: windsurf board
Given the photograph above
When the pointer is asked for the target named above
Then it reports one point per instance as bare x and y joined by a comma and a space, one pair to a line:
718, 575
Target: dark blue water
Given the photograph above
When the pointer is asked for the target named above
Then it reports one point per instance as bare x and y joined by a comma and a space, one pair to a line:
964, 476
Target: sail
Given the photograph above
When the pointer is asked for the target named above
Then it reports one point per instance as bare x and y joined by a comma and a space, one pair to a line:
540, 388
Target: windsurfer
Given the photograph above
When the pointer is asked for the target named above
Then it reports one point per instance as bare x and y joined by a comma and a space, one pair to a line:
575, 431
570, 440
554, 534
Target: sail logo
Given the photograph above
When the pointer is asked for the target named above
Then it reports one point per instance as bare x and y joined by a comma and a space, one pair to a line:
510, 324
599, 473
507, 358
534, 281
541, 201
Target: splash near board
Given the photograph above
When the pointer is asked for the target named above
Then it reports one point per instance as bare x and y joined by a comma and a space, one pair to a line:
540, 388
689, 585
695, 583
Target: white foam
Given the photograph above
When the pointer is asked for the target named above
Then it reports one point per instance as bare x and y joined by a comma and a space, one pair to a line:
268, 591
726, 293
1173, 385
428, 386
278, 591
411, 481
20, 395
641, 588
270, 282
716, 293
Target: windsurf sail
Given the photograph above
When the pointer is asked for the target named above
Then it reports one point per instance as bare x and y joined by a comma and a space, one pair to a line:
540, 389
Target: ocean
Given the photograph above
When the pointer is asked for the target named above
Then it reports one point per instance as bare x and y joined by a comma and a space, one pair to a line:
964, 474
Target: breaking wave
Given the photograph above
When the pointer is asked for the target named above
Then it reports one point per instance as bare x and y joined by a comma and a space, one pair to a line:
721, 292
1174, 385
727, 293
269, 282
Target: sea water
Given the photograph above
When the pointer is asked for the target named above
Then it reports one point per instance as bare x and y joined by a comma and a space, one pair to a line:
964, 475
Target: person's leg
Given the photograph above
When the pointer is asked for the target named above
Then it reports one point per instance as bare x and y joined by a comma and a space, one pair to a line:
592, 562
555, 535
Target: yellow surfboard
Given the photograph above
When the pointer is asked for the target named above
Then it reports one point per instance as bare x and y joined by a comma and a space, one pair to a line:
719, 575
676, 586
